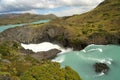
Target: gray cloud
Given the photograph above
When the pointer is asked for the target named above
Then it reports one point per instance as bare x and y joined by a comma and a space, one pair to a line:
24, 5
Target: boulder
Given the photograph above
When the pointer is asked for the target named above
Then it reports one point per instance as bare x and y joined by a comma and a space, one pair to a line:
101, 67
45, 55
50, 54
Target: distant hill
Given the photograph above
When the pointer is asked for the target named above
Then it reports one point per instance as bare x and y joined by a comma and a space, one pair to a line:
23, 18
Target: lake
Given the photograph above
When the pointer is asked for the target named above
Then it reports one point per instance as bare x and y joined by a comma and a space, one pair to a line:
4, 27
82, 61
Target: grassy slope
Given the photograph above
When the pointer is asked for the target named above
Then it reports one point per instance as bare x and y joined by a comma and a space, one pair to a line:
15, 65
50, 71
103, 20
23, 18
106, 16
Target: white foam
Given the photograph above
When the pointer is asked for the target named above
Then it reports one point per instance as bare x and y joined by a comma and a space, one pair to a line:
101, 74
65, 50
44, 46
108, 61
90, 45
102, 60
59, 60
84, 50
99, 60
99, 49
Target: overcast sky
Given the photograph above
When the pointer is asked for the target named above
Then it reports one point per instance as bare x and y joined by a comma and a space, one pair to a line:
57, 7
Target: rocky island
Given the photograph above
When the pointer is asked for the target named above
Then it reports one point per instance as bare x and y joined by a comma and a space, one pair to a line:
101, 68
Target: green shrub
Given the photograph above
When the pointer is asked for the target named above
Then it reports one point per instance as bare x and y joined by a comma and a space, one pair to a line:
50, 71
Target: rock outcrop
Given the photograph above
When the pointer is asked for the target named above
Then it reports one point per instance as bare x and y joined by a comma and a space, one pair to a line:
26, 34
43, 55
101, 67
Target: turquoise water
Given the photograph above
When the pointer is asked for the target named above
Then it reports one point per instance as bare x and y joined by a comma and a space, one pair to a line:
40, 21
82, 61
4, 27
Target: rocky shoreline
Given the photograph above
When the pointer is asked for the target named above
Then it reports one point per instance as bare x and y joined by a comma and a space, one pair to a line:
43, 55
58, 35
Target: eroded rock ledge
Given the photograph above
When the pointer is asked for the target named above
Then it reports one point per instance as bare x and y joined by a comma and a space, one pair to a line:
43, 55
59, 35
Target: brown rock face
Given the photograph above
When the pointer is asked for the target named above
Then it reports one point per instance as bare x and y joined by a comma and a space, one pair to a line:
43, 55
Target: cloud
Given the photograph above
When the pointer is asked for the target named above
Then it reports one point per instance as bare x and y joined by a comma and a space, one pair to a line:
31, 5
29, 11
71, 10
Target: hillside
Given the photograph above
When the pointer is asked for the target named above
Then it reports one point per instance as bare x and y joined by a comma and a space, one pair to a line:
23, 18
105, 17
99, 26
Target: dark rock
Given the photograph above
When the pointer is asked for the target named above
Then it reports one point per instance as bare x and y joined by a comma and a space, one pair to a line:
26, 51
26, 34
106, 38
50, 54
101, 67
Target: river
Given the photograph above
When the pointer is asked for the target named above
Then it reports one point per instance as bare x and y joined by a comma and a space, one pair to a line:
4, 27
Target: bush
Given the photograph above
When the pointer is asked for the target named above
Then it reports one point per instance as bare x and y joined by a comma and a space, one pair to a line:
50, 71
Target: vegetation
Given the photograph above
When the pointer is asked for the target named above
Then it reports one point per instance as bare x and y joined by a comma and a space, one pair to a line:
12, 62
50, 71
15, 65
7, 19
103, 20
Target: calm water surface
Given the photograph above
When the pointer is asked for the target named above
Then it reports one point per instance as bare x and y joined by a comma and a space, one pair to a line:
4, 27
